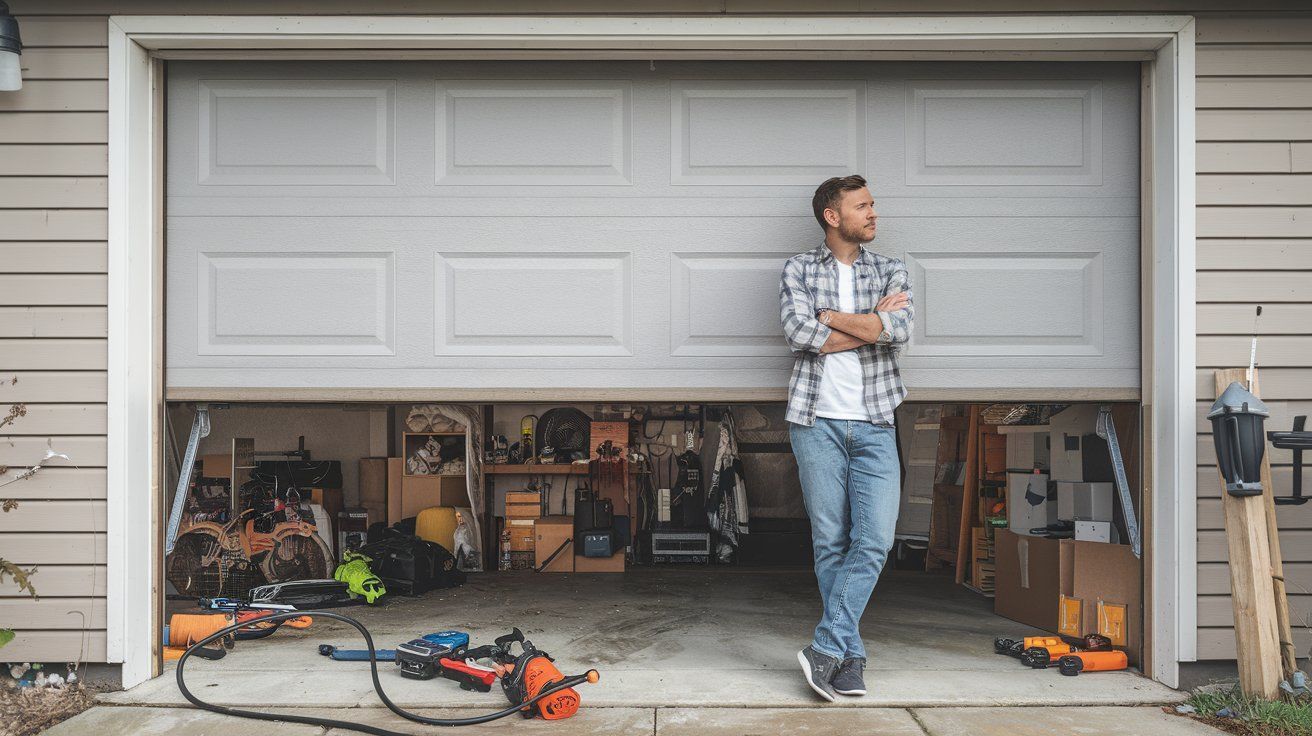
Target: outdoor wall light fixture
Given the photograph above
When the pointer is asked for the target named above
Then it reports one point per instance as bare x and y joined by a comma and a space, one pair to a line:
1237, 418
11, 48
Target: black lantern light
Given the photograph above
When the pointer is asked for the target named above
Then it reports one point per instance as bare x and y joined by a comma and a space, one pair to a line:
11, 46
1237, 418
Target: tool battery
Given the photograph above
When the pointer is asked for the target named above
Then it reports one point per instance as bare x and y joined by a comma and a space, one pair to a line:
420, 659
456, 640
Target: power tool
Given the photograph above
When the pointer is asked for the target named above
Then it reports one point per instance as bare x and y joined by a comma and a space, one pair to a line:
453, 640
531, 672
470, 675
419, 659
1040, 657
539, 684
1073, 664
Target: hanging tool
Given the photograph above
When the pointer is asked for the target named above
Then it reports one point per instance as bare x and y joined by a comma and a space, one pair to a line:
528, 427
1106, 429
200, 428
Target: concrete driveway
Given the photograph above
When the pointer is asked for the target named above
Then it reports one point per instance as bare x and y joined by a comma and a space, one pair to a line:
680, 652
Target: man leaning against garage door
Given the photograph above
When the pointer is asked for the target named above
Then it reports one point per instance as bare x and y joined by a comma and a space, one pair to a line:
846, 311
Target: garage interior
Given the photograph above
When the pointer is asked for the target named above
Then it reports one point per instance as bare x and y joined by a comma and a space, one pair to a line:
563, 228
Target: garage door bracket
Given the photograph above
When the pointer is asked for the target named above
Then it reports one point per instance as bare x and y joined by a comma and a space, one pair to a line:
1106, 429
200, 428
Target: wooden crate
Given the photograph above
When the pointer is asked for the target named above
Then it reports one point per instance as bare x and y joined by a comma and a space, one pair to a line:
523, 535
523, 505
982, 572
981, 544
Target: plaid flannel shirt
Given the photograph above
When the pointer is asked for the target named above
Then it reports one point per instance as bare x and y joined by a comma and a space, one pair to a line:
809, 284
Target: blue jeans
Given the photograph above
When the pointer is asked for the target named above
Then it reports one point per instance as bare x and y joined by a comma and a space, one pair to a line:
851, 483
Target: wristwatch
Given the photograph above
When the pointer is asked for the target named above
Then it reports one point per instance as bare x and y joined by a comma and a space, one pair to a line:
824, 316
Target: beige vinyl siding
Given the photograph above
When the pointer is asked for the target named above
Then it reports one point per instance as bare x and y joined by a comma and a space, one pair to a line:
1254, 247
53, 292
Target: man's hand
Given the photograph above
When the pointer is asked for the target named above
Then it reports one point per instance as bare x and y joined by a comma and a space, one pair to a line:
892, 302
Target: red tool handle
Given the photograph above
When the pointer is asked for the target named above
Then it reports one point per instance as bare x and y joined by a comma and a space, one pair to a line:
486, 676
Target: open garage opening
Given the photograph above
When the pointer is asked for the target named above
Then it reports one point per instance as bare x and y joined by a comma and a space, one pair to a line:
978, 554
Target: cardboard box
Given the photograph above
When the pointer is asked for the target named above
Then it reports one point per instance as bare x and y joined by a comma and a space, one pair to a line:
1027, 447
614, 563
1095, 531
1110, 573
523, 535
1032, 576
453, 490
373, 487
1084, 501
216, 466
551, 532
1066, 431
1030, 573
1024, 509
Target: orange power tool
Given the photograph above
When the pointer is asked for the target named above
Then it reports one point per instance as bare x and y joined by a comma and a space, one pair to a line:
533, 671
1074, 664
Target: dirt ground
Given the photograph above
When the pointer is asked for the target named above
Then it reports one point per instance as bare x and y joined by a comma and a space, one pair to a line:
29, 710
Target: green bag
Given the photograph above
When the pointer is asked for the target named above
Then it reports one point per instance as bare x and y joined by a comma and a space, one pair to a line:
362, 582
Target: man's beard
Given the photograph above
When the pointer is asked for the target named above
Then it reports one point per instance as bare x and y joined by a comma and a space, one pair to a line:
854, 234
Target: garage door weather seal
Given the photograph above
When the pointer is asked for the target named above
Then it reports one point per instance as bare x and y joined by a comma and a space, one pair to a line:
590, 676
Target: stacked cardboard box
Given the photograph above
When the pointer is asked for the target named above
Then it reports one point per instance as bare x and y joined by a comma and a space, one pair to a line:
523, 509
1099, 587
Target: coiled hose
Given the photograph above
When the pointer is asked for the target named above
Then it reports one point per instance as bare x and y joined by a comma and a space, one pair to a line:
568, 682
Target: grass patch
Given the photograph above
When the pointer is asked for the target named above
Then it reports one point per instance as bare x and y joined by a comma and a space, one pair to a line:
1253, 716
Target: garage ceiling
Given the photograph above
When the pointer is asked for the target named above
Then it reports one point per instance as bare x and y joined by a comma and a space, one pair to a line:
515, 228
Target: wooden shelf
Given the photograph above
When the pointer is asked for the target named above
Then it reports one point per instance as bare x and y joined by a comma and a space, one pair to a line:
566, 469
549, 469
433, 475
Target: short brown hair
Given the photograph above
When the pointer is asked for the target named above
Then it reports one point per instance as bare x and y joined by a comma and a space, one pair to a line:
830, 193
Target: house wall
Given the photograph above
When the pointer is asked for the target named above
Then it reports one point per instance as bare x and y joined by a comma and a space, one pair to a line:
1254, 247
1255, 206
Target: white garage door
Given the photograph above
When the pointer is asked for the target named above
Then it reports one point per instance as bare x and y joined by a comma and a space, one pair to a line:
622, 226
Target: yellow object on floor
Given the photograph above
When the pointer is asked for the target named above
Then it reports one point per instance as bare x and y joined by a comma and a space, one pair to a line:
438, 524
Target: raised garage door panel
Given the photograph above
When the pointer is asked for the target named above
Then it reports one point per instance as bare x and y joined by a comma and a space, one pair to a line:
599, 226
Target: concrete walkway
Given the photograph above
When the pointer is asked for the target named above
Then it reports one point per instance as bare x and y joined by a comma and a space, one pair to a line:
1043, 721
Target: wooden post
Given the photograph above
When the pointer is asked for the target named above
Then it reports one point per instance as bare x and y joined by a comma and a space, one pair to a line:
1288, 655
1252, 593
969, 495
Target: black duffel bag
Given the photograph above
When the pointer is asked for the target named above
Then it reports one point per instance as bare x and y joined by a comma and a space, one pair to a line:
410, 565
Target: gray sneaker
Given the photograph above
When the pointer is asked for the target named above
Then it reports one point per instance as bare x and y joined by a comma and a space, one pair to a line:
848, 679
819, 670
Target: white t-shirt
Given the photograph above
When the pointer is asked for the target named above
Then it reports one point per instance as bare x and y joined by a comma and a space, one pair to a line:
842, 386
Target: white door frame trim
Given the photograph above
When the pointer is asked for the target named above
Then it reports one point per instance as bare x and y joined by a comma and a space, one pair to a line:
135, 218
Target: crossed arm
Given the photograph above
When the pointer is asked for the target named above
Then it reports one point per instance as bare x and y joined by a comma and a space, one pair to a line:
889, 324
